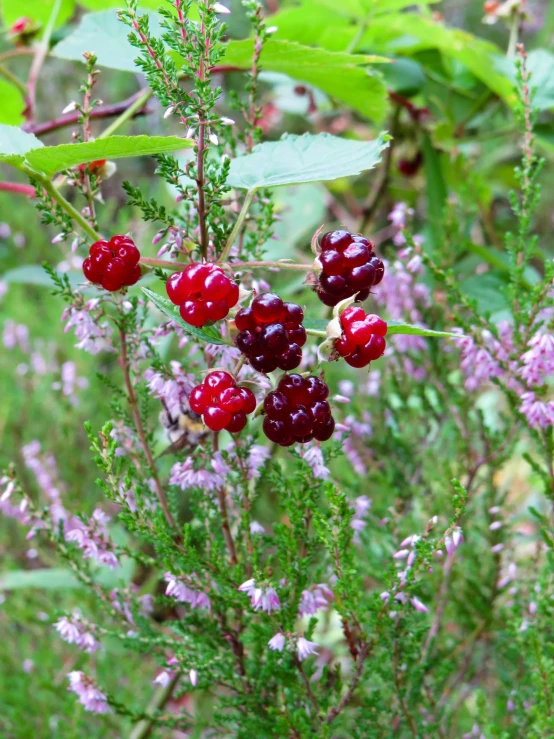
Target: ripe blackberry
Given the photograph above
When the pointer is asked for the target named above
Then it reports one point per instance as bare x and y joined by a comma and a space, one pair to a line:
271, 333
113, 264
298, 411
349, 267
203, 293
362, 338
222, 403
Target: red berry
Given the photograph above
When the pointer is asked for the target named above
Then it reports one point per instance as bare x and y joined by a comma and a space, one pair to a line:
290, 358
193, 312
357, 359
128, 253
232, 297
175, 288
237, 423
268, 308
198, 399
301, 422
245, 319
101, 256
379, 267
263, 363
331, 261
335, 285
296, 335
344, 345
216, 310
315, 389
248, 343
134, 275
231, 399
378, 326
359, 332
277, 405
118, 240
195, 276
294, 313
216, 418
355, 255
115, 275
218, 380
248, 400
321, 410
294, 387
362, 277
92, 271
351, 314
338, 240
277, 431
324, 431
273, 338
375, 347
98, 246
216, 286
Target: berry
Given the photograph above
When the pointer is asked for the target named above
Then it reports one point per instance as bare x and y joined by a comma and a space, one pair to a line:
203, 293
222, 403
297, 411
349, 267
271, 333
113, 264
363, 337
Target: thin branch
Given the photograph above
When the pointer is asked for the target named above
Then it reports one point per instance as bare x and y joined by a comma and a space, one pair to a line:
40, 56
220, 492
140, 430
144, 728
27, 190
335, 710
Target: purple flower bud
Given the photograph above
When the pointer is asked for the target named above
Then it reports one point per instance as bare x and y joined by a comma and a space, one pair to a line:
418, 605
277, 642
193, 676
401, 554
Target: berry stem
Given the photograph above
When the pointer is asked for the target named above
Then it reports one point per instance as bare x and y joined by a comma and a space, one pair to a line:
47, 185
238, 225
19, 188
140, 430
316, 332
39, 58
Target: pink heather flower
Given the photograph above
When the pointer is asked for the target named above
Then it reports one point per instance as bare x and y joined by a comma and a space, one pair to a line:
28, 666
93, 699
219, 8
256, 528
163, 678
397, 217
173, 390
93, 538
92, 337
277, 642
539, 413
185, 476
193, 677
314, 458
361, 507
73, 630
538, 361
495, 525
509, 575
177, 588
305, 648
401, 554
317, 598
257, 457
16, 335
265, 598
418, 605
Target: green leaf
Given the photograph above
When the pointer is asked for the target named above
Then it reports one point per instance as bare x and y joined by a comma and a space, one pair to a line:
19, 148
336, 73
408, 329
435, 188
52, 159
34, 274
11, 110
37, 10
15, 143
308, 158
45, 579
211, 335
540, 63
395, 328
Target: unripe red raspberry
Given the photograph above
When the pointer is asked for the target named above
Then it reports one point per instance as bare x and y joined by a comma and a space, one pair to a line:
297, 411
271, 333
203, 293
349, 267
113, 264
362, 339
222, 403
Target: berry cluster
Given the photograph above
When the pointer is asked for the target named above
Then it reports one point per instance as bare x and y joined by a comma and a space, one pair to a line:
349, 266
298, 411
271, 333
222, 403
113, 264
203, 293
362, 336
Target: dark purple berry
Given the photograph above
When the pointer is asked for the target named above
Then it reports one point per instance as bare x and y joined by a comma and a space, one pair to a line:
338, 240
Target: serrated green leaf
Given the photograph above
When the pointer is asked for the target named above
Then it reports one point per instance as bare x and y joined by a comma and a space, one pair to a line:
338, 74
45, 579
395, 328
210, 335
308, 158
15, 143
52, 159
11, 109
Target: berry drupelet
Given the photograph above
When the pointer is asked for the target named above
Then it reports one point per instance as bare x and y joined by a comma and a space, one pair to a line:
349, 267
362, 336
298, 411
222, 403
203, 293
113, 264
271, 333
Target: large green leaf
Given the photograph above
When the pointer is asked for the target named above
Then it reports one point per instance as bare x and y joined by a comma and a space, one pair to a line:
11, 108
540, 63
45, 579
19, 148
34, 274
51, 159
210, 335
308, 158
395, 328
338, 74
15, 143
37, 10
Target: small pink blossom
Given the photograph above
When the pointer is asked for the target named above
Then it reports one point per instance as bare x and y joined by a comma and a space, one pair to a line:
75, 630
277, 642
179, 588
261, 598
317, 598
93, 699
305, 648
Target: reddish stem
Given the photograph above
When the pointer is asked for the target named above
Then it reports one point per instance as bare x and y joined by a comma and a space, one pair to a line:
27, 190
